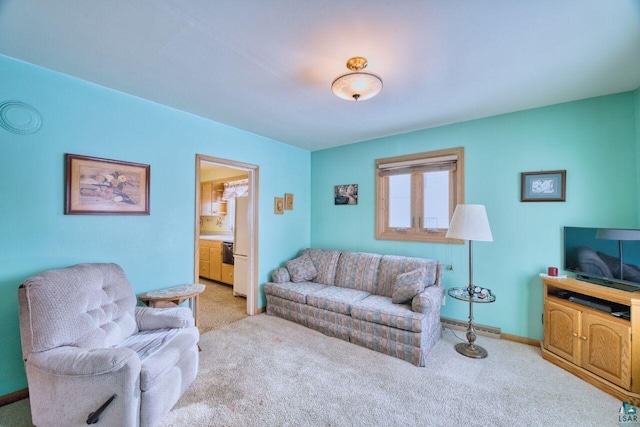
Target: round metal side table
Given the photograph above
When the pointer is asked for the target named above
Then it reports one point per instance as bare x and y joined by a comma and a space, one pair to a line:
471, 349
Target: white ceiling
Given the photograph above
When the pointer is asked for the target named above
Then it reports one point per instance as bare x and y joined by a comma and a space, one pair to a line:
266, 66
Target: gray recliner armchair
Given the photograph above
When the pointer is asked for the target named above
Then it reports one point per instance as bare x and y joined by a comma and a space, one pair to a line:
84, 340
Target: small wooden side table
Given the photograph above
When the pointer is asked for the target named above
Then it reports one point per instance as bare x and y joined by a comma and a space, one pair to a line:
171, 297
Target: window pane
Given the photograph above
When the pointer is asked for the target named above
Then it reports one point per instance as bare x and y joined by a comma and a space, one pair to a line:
436, 199
400, 201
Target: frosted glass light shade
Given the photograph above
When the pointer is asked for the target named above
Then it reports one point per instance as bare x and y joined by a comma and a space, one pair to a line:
357, 86
470, 222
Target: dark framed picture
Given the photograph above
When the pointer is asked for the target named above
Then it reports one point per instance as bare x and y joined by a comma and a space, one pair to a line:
96, 186
548, 186
346, 194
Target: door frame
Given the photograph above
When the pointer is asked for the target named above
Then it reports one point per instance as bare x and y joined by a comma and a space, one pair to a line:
253, 171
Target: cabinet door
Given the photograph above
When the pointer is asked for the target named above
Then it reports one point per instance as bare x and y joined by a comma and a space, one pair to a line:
227, 274
204, 253
606, 349
205, 199
205, 269
215, 255
561, 328
218, 208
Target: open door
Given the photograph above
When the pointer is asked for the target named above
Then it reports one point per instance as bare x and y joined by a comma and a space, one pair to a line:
244, 226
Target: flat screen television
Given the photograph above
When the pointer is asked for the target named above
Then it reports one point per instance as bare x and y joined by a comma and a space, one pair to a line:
605, 256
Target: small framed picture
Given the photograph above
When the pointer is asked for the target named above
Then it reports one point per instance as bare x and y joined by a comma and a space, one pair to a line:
96, 186
548, 186
278, 205
288, 201
346, 194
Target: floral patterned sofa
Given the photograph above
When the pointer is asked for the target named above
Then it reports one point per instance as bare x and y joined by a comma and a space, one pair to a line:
386, 303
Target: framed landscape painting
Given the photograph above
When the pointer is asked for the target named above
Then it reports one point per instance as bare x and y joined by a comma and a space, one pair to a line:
546, 186
96, 186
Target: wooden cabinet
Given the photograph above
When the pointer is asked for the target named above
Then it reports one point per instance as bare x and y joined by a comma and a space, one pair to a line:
227, 274
590, 343
606, 348
215, 254
562, 325
205, 198
205, 261
210, 259
211, 203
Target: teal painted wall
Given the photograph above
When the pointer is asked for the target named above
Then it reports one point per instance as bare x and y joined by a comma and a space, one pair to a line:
594, 140
155, 251
637, 110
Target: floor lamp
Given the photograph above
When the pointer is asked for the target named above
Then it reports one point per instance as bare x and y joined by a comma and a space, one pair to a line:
470, 223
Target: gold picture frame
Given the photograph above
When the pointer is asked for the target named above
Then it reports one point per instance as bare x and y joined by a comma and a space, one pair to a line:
288, 201
278, 205
96, 186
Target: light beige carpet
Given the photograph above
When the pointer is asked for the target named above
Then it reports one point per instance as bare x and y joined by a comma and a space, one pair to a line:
266, 371
218, 307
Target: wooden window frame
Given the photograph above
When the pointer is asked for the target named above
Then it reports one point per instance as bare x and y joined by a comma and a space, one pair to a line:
416, 233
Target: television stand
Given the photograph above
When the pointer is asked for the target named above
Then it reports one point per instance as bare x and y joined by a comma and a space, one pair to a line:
592, 344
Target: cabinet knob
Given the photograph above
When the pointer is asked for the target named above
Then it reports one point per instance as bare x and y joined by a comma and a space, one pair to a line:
583, 338
575, 334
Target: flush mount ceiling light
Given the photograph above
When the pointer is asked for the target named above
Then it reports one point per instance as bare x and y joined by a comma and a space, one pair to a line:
358, 85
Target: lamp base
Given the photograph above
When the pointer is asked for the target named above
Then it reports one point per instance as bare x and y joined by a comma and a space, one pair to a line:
471, 350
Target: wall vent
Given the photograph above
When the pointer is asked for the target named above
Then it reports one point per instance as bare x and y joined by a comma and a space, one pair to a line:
459, 325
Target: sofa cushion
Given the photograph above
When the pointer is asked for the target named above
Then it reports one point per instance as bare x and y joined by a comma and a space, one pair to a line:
407, 285
393, 265
145, 343
326, 262
358, 270
334, 298
302, 269
293, 291
382, 310
280, 275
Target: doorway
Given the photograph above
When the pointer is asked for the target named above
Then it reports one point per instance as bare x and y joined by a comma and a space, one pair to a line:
215, 219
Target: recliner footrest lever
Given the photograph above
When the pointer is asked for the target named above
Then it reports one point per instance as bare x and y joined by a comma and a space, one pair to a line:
94, 417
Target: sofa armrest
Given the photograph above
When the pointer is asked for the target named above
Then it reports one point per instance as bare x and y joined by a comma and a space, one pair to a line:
160, 318
75, 361
280, 275
428, 300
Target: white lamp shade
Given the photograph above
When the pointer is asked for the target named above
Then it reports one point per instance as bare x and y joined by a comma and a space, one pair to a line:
617, 234
470, 222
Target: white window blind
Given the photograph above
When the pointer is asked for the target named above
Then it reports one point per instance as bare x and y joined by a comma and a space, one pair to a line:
433, 164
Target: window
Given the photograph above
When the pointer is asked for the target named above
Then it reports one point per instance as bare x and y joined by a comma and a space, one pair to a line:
417, 194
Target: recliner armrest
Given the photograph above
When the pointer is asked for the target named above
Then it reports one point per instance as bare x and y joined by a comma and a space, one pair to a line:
72, 361
160, 318
66, 384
